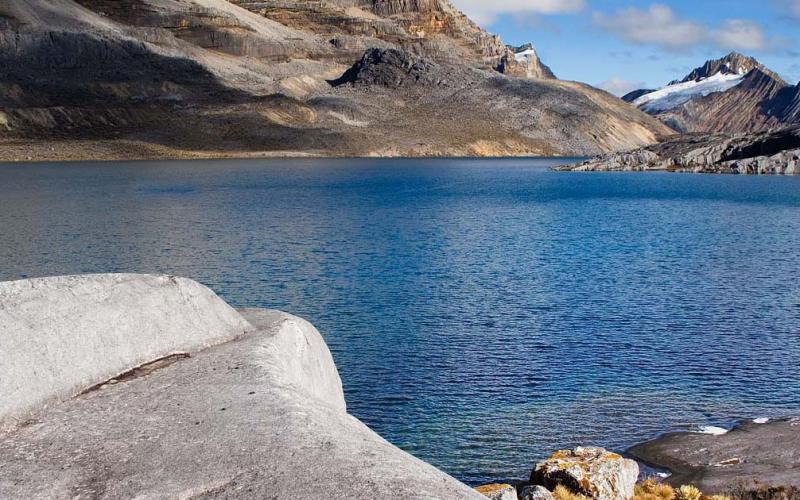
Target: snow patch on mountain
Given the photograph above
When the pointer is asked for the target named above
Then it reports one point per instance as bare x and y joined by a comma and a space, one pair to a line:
527, 55
676, 94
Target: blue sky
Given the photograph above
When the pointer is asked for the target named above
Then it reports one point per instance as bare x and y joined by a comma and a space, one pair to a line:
626, 44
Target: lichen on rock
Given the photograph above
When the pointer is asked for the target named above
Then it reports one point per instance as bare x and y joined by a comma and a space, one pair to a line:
588, 471
498, 491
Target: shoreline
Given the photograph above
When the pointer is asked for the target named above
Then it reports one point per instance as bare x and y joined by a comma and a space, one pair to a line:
276, 157
127, 150
752, 454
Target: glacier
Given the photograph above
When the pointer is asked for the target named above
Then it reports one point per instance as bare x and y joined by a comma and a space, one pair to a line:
676, 94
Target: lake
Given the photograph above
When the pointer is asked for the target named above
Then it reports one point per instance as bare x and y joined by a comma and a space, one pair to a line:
482, 313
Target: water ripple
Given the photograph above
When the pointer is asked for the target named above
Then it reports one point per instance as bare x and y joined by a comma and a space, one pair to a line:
482, 313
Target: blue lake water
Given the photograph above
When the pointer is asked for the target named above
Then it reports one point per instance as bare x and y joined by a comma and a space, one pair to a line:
482, 313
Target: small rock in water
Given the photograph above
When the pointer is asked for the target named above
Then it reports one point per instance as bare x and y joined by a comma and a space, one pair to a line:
536, 493
592, 472
498, 491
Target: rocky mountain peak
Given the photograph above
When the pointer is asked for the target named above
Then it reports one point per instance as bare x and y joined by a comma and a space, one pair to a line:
732, 64
522, 48
528, 63
733, 94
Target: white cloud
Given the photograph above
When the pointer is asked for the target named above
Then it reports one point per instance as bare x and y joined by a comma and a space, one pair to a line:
739, 34
790, 7
485, 12
659, 25
620, 87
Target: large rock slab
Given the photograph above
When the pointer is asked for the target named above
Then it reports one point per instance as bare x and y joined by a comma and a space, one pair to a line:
592, 472
62, 335
262, 416
750, 455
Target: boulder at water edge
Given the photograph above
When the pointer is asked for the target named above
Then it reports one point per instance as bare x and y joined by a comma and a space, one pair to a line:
498, 491
592, 472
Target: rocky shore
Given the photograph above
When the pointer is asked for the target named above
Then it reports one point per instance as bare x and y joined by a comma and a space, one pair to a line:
775, 152
751, 455
756, 460
259, 416
121, 386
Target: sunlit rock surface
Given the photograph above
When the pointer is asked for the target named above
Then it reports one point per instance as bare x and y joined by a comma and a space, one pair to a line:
592, 472
63, 335
262, 416
498, 491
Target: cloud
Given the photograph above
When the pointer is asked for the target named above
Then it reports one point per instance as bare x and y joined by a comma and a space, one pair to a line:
790, 7
485, 12
659, 25
738, 34
620, 87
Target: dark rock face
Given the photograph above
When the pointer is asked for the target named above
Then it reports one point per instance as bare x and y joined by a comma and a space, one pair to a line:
786, 104
775, 152
389, 68
632, 96
83, 68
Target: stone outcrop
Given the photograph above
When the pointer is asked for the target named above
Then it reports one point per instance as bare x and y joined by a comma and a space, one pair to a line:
56, 339
591, 472
526, 63
498, 491
776, 152
262, 416
192, 78
535, 493
390, 68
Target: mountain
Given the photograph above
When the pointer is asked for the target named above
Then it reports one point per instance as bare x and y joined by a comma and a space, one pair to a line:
735, 94
187, 78
527, 58
732, 64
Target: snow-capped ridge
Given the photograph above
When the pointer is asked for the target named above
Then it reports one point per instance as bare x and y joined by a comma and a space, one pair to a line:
525, 53
675, 94
732, 64
734, 94
527, 58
